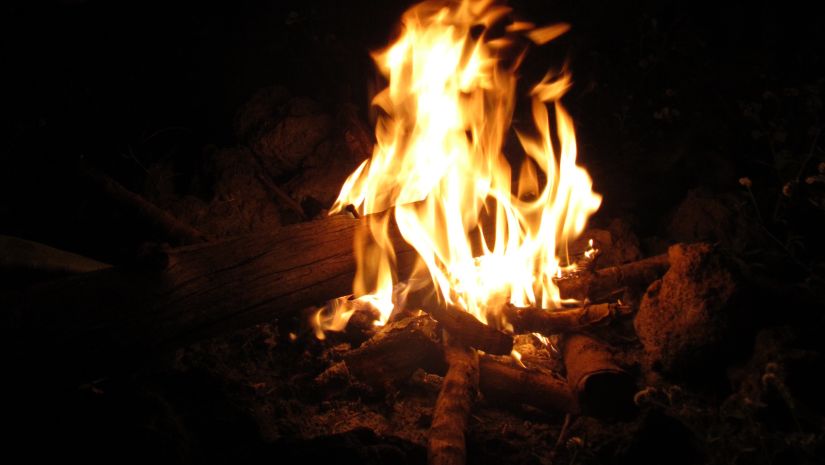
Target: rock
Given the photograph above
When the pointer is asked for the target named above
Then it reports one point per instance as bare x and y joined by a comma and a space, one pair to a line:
240, 203
702, 216
685, 318
284, 147
265, 106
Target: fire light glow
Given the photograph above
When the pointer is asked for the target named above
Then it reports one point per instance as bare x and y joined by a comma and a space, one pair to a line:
438, 171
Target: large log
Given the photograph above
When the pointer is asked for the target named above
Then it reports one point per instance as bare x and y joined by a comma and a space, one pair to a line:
208, 289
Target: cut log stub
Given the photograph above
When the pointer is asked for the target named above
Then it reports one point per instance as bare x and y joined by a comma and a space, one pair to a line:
459, 323
396, 351
505, 382
447, 444
539, 320
602, 387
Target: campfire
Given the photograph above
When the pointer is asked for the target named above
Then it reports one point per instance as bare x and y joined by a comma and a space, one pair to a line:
292, 234
491, 233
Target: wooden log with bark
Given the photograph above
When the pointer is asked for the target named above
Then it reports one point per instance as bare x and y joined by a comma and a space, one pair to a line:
107, 316
601, 282
24, 256
396, 351
506, 382
547, 322
446, 444
459, 323
387, 360
602, 387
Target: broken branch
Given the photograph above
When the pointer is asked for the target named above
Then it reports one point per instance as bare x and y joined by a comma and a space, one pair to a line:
447, 445
459, 323
547, 322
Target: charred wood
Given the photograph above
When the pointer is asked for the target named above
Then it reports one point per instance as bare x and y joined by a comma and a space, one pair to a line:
459, 323
511, 384
603, 281
547, 322
602, 387
447, 444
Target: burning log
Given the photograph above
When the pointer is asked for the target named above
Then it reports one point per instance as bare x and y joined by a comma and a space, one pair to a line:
602, 387
459, 323
388, 359
447, 445
601, 282
107, 316
507, 382
539, 320
396, 351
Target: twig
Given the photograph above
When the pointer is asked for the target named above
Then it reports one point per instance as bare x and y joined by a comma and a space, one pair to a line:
561, 437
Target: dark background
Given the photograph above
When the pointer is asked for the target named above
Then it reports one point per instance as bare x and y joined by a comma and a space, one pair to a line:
669, 98
668, 95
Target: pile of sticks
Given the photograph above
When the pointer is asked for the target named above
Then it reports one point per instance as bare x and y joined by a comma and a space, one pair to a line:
474, 358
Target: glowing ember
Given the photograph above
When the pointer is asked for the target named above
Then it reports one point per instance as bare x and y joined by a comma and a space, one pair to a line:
438, 170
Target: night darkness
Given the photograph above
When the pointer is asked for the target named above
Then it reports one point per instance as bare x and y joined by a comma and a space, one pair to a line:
698, 122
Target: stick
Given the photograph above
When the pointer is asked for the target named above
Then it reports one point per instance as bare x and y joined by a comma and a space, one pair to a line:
508, 383
547, 322
159, 221
605, 280
447, 445
459, 323
22, 256
396, 351
388, 359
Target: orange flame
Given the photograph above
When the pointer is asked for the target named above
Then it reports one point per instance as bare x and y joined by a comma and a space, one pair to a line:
439, 172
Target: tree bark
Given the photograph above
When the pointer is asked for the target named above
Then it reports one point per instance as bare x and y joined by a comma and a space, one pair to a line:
602, 387
547, 322
205, 290
447, 443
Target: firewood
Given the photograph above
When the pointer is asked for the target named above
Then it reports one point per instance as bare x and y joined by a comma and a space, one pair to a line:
547, 322
109, 317
387, 359
161, 222
447, 444
603, 281
459, 323
511, 384
396, 351
23, 256
602, 387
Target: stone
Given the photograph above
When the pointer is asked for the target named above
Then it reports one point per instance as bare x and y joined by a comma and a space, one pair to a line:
685, 318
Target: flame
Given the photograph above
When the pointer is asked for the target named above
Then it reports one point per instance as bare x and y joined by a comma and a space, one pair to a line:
439, 172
